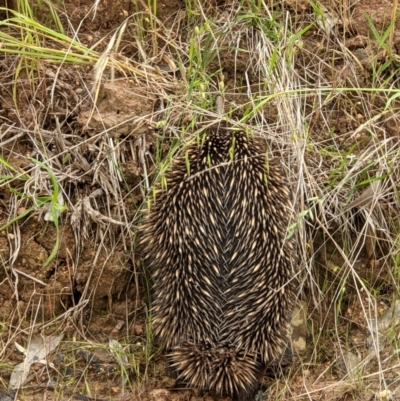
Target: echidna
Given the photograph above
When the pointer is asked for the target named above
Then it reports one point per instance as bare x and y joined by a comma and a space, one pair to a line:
216, 246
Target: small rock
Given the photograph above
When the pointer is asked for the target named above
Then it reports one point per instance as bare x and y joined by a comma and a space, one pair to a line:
350, 364
298, 327
380, 326
159, 395
168, 382
385, 395
138, 329
117, 328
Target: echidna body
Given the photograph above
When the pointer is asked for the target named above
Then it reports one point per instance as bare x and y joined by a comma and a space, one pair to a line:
216, 246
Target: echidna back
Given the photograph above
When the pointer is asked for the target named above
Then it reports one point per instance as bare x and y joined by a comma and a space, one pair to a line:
215, 243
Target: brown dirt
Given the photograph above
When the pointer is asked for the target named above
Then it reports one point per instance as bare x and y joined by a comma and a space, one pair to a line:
102, 269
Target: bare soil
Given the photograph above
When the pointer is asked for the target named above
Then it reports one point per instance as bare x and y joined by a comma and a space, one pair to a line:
93, 260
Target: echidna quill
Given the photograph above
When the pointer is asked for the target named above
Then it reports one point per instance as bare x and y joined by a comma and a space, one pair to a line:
215, 243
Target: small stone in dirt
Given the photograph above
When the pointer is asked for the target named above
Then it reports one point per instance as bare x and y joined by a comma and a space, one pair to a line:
21, 210
117, 328
4, 397
298, 327
168, 382
384, 395
382, 325
159, 395
59, 359
138, 329
89, 357
349, 363
115, 390
374, 264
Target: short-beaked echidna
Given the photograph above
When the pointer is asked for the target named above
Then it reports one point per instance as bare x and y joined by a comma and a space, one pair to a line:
215, 243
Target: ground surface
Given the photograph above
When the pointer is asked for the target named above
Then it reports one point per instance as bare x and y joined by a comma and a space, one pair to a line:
94, 288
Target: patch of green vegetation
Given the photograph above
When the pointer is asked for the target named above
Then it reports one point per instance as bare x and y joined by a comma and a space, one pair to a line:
52, 202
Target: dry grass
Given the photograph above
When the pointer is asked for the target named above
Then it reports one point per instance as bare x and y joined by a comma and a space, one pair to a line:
78, 162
